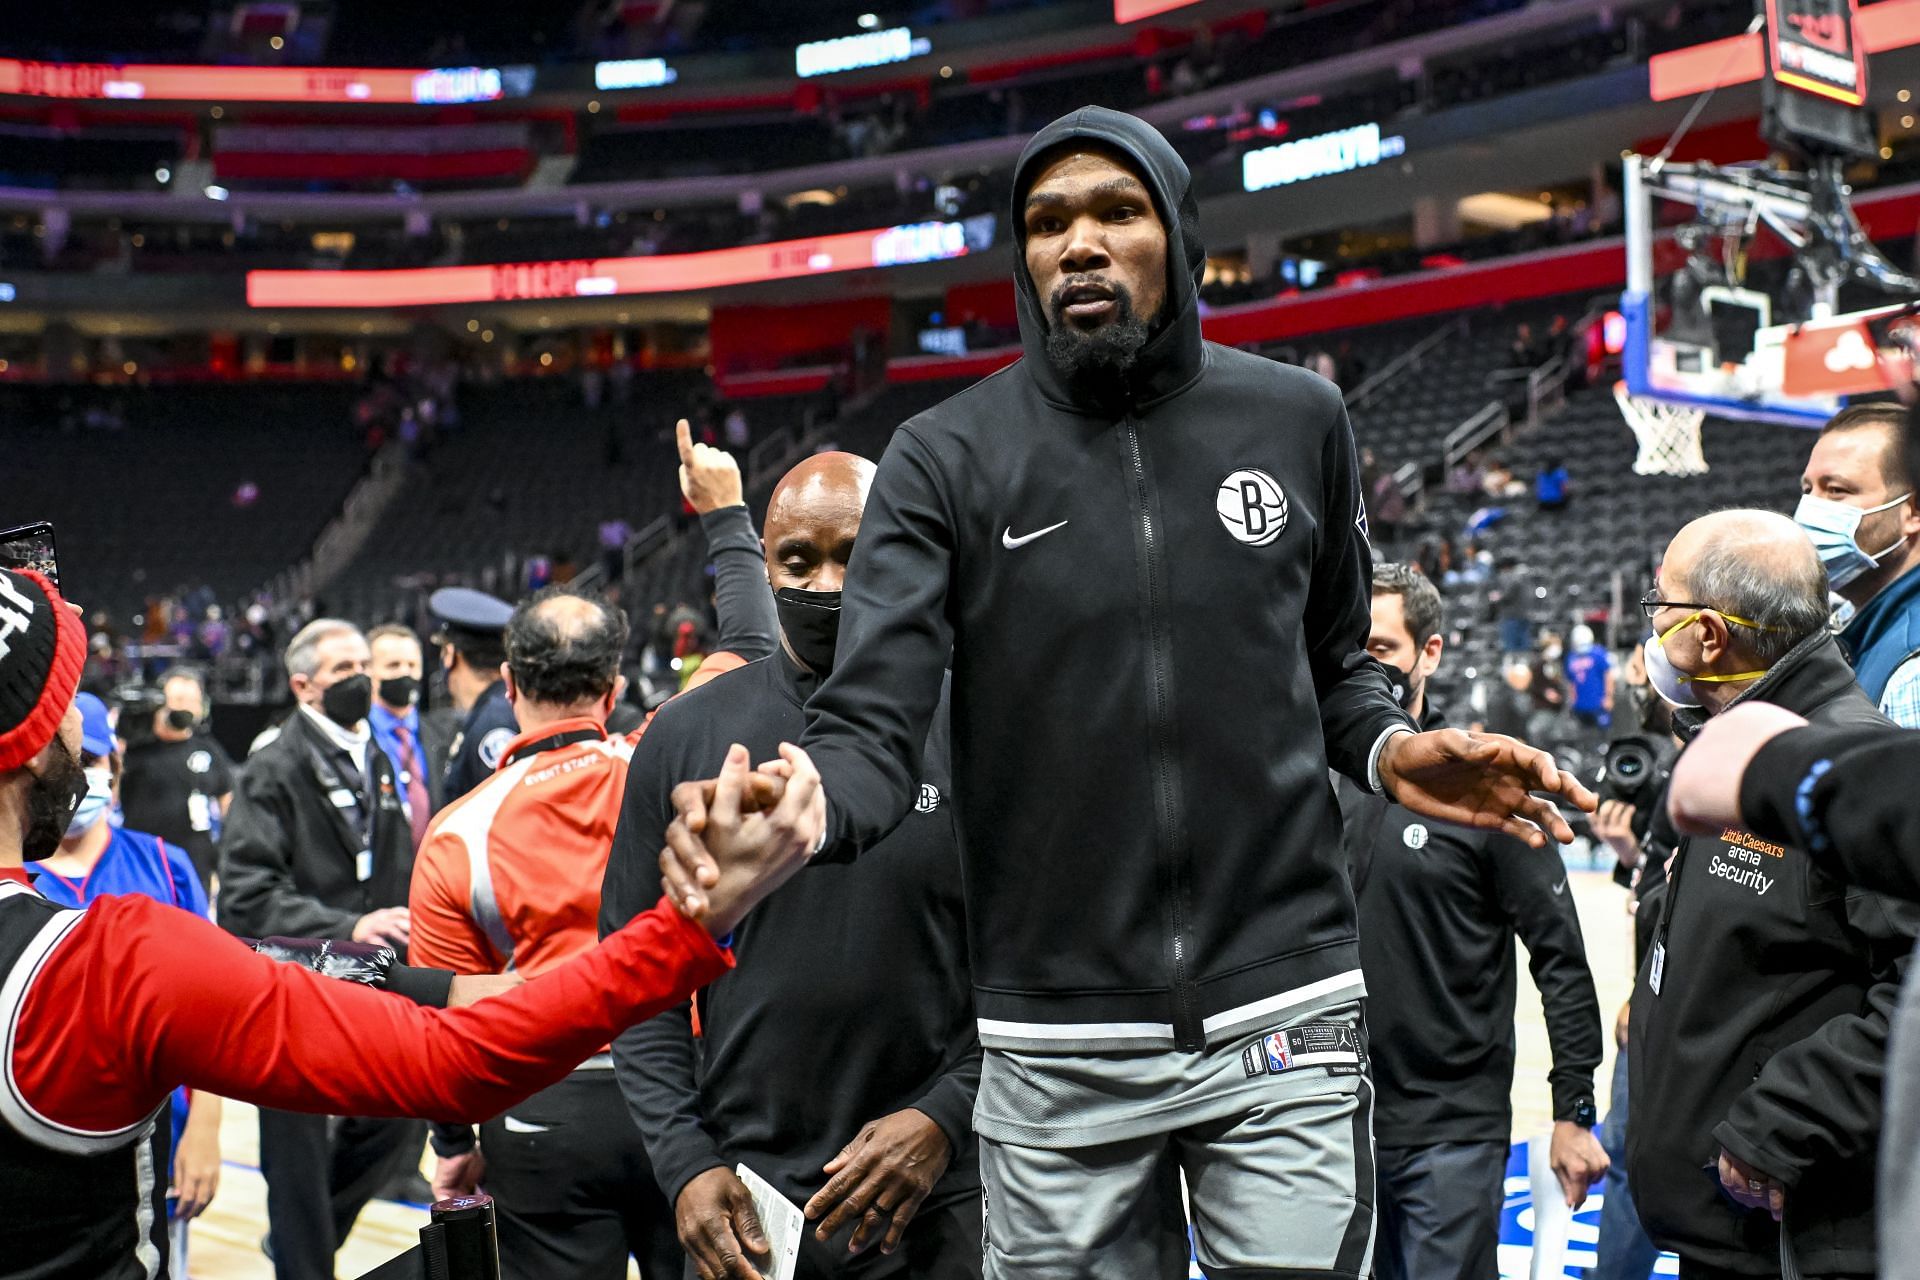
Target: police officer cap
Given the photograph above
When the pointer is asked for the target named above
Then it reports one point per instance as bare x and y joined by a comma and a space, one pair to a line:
464, 609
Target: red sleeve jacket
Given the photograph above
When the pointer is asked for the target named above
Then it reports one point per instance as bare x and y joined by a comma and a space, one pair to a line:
136, 997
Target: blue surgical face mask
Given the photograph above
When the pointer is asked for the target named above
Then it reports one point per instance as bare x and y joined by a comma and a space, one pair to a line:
94, 804
1834, 527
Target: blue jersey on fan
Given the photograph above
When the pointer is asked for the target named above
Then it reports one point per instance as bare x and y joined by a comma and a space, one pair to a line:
132, 863
1587, 673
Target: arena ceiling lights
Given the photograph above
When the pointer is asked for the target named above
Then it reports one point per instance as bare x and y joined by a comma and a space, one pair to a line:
156, 83
633, 73
851, 53
607, 277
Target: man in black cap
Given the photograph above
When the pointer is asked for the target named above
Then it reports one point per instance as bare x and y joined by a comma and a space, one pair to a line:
472, 644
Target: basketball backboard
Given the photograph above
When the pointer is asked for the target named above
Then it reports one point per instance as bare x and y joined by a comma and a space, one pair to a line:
1766, 345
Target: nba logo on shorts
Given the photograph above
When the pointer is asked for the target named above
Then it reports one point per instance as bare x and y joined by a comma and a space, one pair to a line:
1252, 507
929, 798
1279, 1057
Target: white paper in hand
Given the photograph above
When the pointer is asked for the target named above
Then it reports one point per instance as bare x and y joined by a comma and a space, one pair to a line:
782, 1221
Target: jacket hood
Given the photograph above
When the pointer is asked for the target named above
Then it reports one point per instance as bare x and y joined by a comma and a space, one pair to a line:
1172, 357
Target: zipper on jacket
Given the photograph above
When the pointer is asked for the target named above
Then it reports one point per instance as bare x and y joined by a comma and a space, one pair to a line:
1188, 1032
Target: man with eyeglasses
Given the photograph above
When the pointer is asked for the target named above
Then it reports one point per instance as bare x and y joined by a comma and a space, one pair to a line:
1759, 1020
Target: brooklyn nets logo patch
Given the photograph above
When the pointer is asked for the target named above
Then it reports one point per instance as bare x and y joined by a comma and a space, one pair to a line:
1252, 507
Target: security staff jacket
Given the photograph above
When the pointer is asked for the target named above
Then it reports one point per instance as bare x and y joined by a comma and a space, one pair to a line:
1154, 589
313, 842
1440, 907
1759, 1025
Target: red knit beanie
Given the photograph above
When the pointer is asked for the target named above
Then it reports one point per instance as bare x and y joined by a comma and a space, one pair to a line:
43, 648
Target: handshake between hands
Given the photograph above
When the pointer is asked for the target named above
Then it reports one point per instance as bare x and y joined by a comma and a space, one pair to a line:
736, 838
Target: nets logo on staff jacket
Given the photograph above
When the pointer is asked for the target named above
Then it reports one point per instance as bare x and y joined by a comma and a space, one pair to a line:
1252, 507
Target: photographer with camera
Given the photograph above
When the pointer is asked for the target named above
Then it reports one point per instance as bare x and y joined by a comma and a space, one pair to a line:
1760, 1019
1632, 822
177, 782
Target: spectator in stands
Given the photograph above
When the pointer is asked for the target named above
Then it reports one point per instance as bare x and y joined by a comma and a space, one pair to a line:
1440, 908
1389, 510
1759, 1022
1524, 352
472, 650
1467, 475
1589, 671
98, 857
414, 744
318, 846
177, 782
1508, 701
1499, 482
1860, 508
1550, 486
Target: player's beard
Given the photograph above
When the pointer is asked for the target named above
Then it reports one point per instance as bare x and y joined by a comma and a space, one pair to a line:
51, 801
1110, 349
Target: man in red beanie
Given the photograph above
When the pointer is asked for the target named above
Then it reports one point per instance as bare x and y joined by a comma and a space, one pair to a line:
104, 1012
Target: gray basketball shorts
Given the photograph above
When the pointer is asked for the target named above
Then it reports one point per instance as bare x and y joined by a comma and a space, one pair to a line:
1282, 1186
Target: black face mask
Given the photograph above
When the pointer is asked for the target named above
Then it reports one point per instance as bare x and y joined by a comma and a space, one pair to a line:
346, 702
1406, 690
811, 622
52, 801
399, 691
180, 719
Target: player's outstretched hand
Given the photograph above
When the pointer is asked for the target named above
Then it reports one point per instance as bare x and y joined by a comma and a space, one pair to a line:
709, 477
1484, 780
1704, 796
726, 849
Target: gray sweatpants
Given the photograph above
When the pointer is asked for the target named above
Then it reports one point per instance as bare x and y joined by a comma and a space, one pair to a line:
1281, 1186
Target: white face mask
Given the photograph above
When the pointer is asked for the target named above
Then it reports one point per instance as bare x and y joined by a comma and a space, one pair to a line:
93, 805
1834, 528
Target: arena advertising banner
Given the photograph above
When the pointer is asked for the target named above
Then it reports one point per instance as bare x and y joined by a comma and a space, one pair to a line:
1134, 10
1814, 45
156, 83
1890, 24
1342, 151
609, 277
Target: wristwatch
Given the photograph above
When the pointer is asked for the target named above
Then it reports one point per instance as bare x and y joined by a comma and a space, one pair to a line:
1585, 1114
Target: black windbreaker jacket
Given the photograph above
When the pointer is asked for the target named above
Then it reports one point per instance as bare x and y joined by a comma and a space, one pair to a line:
1156, 598
1765, 1031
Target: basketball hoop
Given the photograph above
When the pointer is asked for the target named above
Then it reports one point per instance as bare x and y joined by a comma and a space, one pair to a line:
1669, 434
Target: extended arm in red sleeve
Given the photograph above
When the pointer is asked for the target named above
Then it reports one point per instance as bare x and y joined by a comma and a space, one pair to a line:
137, 999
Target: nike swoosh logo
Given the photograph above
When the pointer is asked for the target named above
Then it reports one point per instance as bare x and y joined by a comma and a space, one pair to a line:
1560, 888
514, 1125
1012, 543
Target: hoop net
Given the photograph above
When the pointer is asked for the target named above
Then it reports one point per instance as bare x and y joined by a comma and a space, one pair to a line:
1669, 434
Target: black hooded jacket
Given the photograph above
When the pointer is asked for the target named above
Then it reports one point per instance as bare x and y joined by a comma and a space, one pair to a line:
1156, 597
1760, 1024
